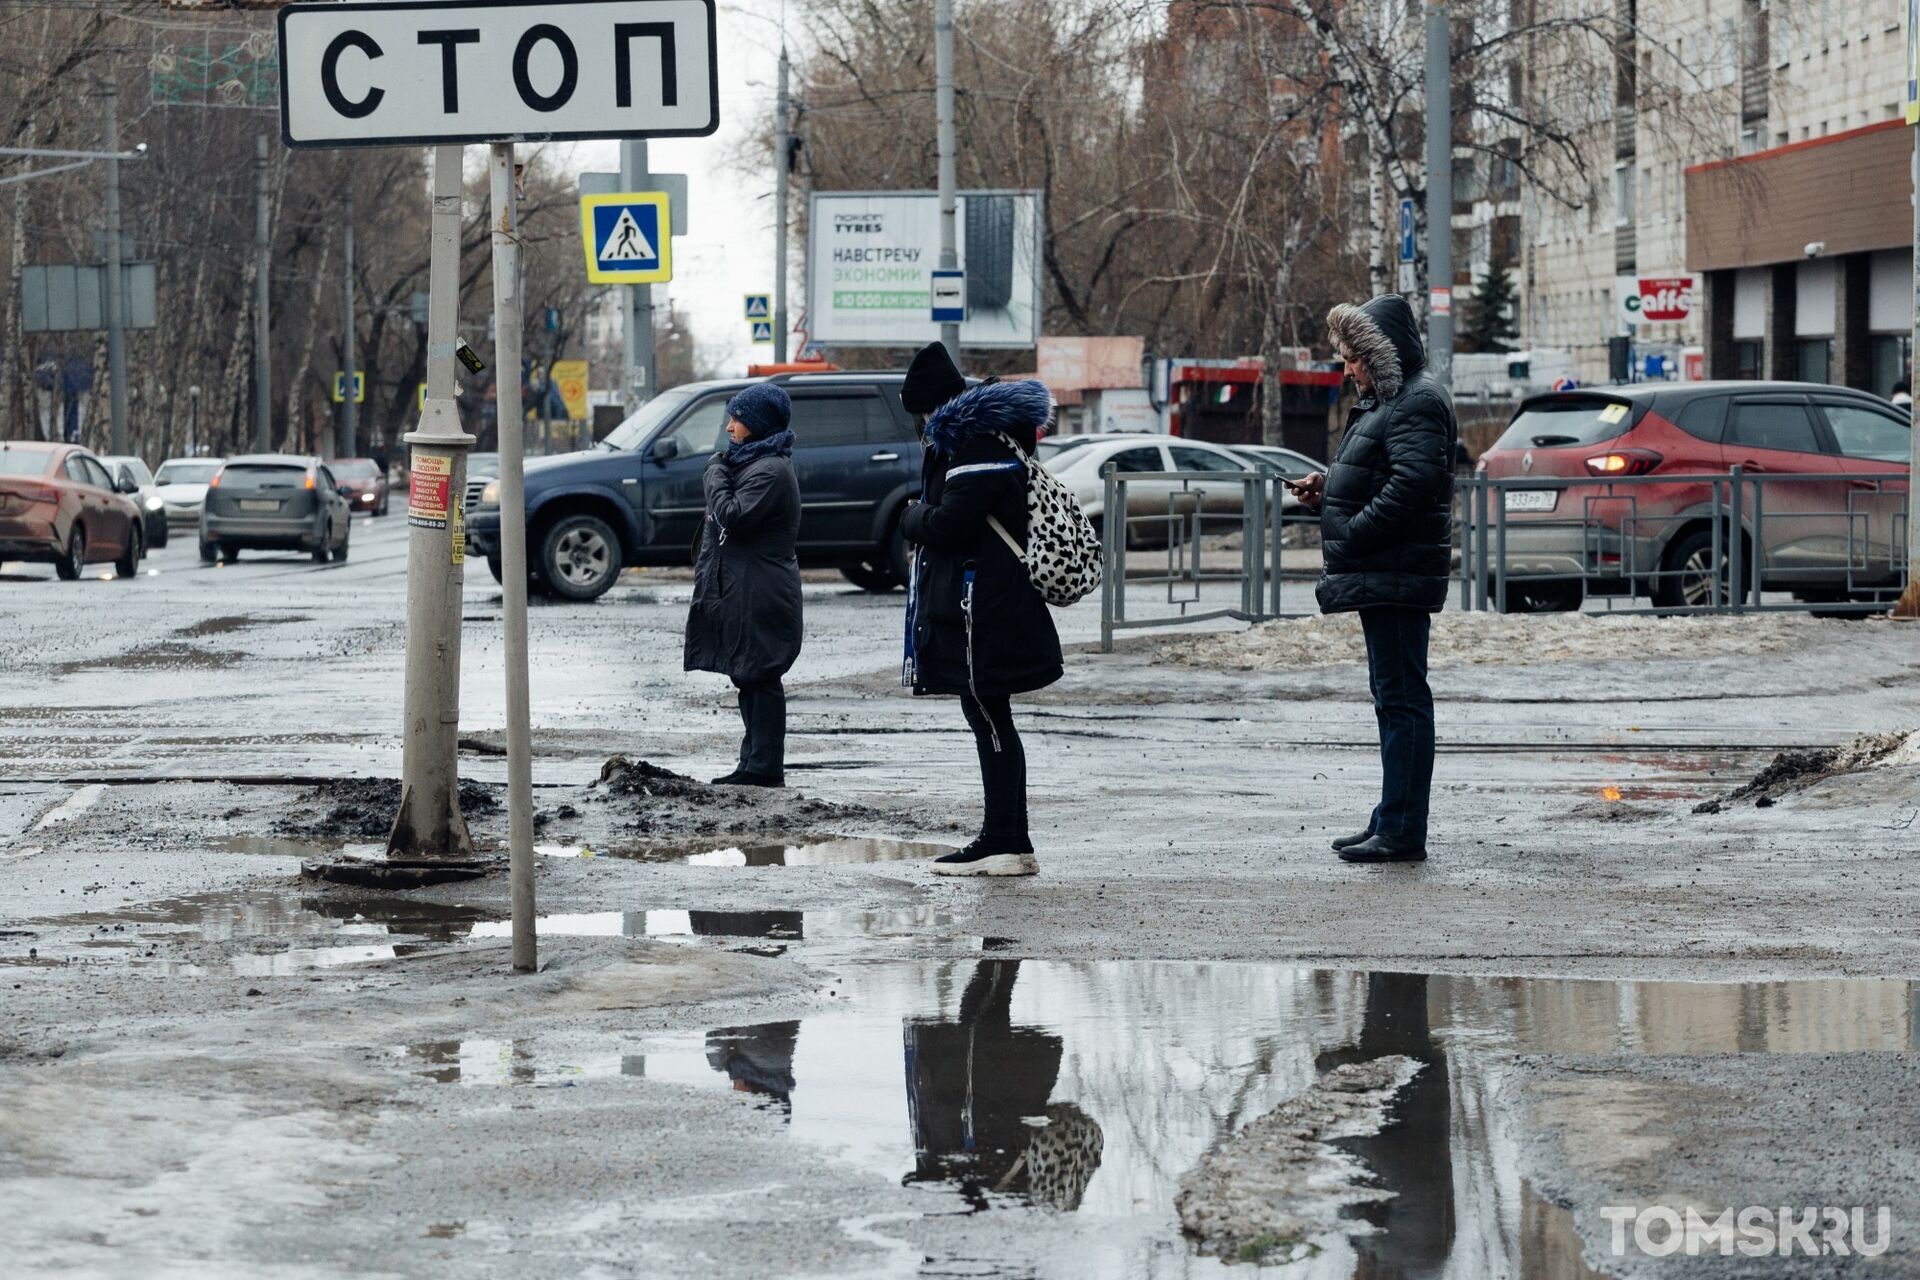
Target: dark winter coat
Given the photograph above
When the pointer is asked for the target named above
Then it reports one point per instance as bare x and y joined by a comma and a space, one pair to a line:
1386, 526
745, 620
974, 620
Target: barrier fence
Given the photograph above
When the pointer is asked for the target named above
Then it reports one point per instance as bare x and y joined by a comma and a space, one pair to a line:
1718, 542
1826, 542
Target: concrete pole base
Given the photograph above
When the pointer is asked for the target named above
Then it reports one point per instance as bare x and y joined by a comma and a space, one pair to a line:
1908, 605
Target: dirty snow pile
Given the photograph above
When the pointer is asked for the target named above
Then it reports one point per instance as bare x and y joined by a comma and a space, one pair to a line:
1495, 639
1792, 771
1264, 1194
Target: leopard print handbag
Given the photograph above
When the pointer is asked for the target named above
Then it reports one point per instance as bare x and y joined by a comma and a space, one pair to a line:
1063, 553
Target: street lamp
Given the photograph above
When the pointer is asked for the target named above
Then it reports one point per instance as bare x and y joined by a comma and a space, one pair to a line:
193, 420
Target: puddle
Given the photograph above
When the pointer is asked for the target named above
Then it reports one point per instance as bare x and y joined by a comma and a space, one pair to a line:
236, 622
287, 847
165, 656
760, 851
1092, 1088
777, 926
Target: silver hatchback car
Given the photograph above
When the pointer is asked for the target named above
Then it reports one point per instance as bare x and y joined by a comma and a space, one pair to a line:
274, 502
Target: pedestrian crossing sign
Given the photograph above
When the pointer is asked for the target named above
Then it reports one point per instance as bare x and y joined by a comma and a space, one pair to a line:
759, 307
626, 238
340, 386
763, 331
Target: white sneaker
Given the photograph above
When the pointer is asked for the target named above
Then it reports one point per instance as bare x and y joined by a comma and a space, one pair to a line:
975, 861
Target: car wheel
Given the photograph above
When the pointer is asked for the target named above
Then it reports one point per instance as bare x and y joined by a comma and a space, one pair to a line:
157, 536
580, 557
128, 565
320, 553
1541, 597
208, 553
1687, 580
230, 554
340, 552
866, 576
74, 563
493, 567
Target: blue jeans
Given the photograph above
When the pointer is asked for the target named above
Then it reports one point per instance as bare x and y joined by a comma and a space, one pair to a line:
1403, 704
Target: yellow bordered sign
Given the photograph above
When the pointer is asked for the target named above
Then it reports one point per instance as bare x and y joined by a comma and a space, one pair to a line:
628, 238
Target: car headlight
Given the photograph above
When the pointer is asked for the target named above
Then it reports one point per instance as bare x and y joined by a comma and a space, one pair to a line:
491, 494
153, 504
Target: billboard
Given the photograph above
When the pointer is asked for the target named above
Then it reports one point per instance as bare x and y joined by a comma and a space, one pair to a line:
871, 257
1655, 299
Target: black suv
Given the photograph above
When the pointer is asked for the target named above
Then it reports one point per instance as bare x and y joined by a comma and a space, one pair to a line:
635, 498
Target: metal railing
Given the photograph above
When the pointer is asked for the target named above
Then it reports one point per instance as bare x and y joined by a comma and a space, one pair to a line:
1797, 536
1185, 522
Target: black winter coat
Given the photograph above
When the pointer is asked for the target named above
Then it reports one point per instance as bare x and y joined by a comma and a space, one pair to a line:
1011, 646
745, 621
1386, 525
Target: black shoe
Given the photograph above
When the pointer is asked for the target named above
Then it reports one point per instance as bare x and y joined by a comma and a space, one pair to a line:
741, 778
1379, 848
977, 859
1358, 837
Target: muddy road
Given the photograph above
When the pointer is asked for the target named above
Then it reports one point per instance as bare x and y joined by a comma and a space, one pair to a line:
766, 1042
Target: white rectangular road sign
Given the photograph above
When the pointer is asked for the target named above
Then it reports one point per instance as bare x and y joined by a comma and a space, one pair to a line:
447, 71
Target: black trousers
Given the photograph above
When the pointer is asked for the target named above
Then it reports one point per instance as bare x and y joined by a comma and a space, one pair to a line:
763, 714
1003, 772
1403, 705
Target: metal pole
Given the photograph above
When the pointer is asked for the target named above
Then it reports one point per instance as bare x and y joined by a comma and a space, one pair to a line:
943, 103
637, 352
513, 556
116, 284
262, 317
193, 420
429, 823
782, 148
1484, 497
349, 410
1110, 587
1736, 575
1439, 189
1909, 605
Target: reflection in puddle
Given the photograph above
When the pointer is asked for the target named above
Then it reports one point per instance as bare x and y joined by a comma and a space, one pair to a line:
792, 926
283, 847
761, 851
1094, 1087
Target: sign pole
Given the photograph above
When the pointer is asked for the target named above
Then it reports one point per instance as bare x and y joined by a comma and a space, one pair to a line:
429, 824
116, 290
943, 103
349, 409
1909, 604
1440, 193
782, 146
262, 298
638, 348
508, 317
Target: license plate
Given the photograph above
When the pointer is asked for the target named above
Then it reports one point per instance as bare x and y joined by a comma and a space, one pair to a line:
257, 504
1532, 499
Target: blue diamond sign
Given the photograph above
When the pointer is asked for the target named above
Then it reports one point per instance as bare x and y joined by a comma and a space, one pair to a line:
625, 240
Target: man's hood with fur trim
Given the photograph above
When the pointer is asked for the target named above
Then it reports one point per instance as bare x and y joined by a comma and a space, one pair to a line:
1381, 334
991, 407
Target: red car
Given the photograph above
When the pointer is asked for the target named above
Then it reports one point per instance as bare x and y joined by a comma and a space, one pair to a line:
59, 506
1823, 540
362, 482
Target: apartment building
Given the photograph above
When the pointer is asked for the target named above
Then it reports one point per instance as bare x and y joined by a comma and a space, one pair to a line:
1752, 146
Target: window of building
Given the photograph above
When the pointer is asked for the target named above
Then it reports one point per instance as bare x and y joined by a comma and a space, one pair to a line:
1622, 195
1747, 355
1889, 360
1812, 359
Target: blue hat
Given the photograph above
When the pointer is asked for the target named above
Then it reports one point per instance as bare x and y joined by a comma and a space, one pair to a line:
763, 407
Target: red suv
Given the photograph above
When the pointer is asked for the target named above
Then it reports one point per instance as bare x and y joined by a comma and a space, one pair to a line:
59, 506
1822, 539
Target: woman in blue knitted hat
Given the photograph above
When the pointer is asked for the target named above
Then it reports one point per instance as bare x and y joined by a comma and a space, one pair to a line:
745, 621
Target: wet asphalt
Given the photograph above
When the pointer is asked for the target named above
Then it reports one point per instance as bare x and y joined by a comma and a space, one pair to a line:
766, 1043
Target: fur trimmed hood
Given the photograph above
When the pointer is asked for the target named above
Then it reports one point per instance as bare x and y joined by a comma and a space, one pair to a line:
1382, 335
994, 406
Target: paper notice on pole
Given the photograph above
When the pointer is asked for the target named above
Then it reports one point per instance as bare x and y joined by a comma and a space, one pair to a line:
459, 533
429, 491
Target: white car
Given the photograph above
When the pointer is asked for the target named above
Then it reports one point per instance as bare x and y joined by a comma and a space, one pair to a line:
181, 485
1081, 462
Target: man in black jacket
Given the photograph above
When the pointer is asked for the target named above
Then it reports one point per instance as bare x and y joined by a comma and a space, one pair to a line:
1386, 534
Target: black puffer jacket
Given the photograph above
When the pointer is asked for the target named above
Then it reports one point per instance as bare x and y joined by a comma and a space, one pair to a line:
745, 621
974, 620
1386, 524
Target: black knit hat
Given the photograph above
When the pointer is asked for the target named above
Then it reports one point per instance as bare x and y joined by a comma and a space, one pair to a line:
931, 380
